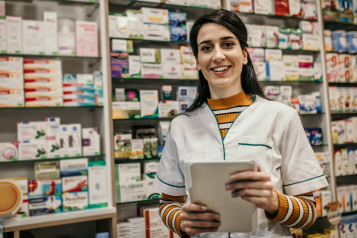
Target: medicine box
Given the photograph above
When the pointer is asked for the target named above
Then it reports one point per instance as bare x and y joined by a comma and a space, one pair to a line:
294, 8
149, 101
178, 34
263, 7
134, 66
155, 16
74, 167
126, 110
311, 42
70, 140
90, 141
131, 191
307, 104
31, 131
152, 218
74, 183
119, 64
45, 205
272, 36
9, 151
172, 71
351, 161
168, 109
156, 32
47, 170
44, 188
344, 156
33, 41
14, 34
151, 71
135, 24
86, 39
97, 184
137, 149
284, 38
148, 55
118, 25
291, 68
53, 137
50, 33
170, 56
31, 150
187, 55
75, 201
186, 94
120, 46
189, 71
275, 71
281, 7
177, 19
3, 46
325, 199
127, 172
273, 55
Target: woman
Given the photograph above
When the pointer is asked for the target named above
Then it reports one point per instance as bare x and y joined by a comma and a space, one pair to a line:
231, 120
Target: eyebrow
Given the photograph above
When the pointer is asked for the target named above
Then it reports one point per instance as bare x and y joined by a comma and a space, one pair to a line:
223, 38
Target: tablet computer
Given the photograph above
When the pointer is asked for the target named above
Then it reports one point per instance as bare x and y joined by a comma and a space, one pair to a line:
206, 182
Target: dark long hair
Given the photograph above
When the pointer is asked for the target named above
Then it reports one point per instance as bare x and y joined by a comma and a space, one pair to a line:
233, 23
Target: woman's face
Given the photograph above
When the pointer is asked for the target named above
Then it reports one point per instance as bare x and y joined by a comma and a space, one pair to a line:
220, 57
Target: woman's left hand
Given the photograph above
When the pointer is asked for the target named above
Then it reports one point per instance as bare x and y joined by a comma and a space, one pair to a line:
255, 187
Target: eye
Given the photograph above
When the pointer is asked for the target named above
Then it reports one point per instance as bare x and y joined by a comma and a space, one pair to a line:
205, 48
228, 44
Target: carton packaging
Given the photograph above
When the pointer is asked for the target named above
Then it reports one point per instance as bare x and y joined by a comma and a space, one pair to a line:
296, 39
149, 175
12, 100
325, 199
172, 71
86, 38
256, 34
284, 36
351, 161
187, 55
309, 10
189, 71
120, 46
170, 56
135, 24
126, 110
260, 70
73, 167
152, 218
256, 54
346, 11
307, 104
291, 68
263, 7
344, 157
272, 36
123, 146
137, 149
50, 33
166, 92
70, 140
306, 67
118, 25
3, 48
31, 131
90, 141
156, 32
338, 163
155, 16
134, 66
44, 188
168, 109
53, 137
97, 184
149, 55
127, 172
119, 64
33, 41
339, 43
186, 94
151, 71
14, 34
309, 27
47, 170
281, 7
294, 8
131, 191
178, 34
98, 85
9, 151
318, 71
341, 198
275, 71
149, 100
45, 205
74, 184
311, 42
177, 19
75, 201
273, 55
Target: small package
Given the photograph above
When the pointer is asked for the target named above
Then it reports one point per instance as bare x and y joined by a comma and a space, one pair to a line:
9, 152
339, 42
45, 205
33, 41
273, 55
47, 170
126, 110
281, 7
263, 7
316, 136
149, 100
151, 71
272, 36
70, 140
256, 34
256, 54
137, 149
309, 27
294, 8
50, 33
32, 150
97, 184
309, 10
131, 191
53, 137
166, 92
186, 94
284, 38
74, 167
178, 34
155, 16
90, 141
118, 25
307, 104
134, 66
187, 55
44, 188
291, 68
172, 71
168, 109
156, 32
128, 172
14, 34
170, 56
119, 64
149, 55
306, 68
86, 39
31, 131
311, 42
275, 71
177, 19
75, 201
296, 39
74, 184
135, 24
189, 71
122, 46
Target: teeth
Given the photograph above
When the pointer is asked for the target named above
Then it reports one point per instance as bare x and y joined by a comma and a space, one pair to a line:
220, 69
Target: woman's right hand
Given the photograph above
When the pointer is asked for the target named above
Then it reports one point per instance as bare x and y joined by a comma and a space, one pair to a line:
195, 220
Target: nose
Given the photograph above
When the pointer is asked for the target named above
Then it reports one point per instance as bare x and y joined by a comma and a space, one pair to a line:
218, 55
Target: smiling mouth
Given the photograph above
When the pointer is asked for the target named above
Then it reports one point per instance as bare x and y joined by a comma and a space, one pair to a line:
220, 69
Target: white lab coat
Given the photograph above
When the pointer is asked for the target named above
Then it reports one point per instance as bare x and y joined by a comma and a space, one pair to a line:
285, 154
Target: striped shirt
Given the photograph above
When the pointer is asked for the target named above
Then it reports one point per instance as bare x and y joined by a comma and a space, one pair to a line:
294, 211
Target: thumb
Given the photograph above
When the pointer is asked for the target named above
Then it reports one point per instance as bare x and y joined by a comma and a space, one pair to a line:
259, 169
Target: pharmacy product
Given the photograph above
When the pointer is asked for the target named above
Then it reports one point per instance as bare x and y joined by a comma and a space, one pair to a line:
256, 54
351, 38
134, 66
284, 38
344, 156
156, 32
186, 94
33, 41
126, 110
137, 149
31, 131
166, 92
90, 141
351, 161
306, 67
309, 27
45, 205
318, 71
275, 70
294, 8
260, 70
129, 172
317, 101
307, 104
281, 7
311, 42
187, 55
74, 183
75, 201
3, 48
44, 188
9, 151
47, 170
50, 33
189, 71
346, 10
135, 24
273, 55
257, 35
152, 218
285, 95
168, 109
131, 191
119, 64
272, 36
12, 100
309, 10
341, 99
14, 35
86, 38
325, 199
341, 197
263, 7
149, 103
149, 176
149, 55
66, 37
74, 167
296, 39
155, 16
348, 99
339, 43
291, 67
178, 34
328, 40
118, 25
98, 85
151, 71
177, 19
119, 46
53, 137
97, 184
170, 56
354, 197
70, 140
316, 136
172, 71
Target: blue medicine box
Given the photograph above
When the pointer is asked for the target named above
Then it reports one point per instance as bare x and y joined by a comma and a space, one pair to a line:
177, 19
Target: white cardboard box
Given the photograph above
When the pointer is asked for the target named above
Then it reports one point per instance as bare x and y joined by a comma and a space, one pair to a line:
155, 16
170, 56
74, 183
53, 137
29, 150
86, 38
325, 199
127, 173
149, 103
75, 201
90, 141
97, 184
14, 34
118, 26
172, 71
50, 31
168, 109
33, 41
131, 191
3, 46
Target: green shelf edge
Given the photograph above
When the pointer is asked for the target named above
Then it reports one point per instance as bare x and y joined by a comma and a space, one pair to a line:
50, 159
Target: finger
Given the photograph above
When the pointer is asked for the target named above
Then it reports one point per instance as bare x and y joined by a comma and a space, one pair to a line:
259, 169
250, 184
190, 207
194, 231
204, 216
200, 224
260, 202
250, 175
251, 192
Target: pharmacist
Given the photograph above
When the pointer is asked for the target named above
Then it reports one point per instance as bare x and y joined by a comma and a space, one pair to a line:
232, 120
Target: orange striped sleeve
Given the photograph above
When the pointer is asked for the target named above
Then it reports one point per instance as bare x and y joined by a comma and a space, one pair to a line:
170, 212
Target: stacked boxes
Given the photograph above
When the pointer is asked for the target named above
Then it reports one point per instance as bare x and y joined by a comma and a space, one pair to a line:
31, 138
78, 90
347, 197
177, 23
98, 86
150, 168
70, 140
11, 82
43, 86
345, 162
343, 99
186, 96
156, 23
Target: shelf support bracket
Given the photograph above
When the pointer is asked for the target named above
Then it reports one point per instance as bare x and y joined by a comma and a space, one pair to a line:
96, 7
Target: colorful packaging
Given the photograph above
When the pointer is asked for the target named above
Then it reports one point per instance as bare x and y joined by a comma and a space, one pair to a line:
351, 38
118, 25
45, 205
134, 66
70, 140
339, 43
74, 167
119, 64
178, 34
90, 141
273, 55
272, 36
86, 38
187, 55
177, 19
155, 16
151, 71
284, 38
291, 67
307, 104
275, 70
135, 24
168, 109
189, 71
44, 188
328, 40
75, 201
309, 10
14, 35
97, 184
296, 39
306, 67
263, 7
47, 170
311, 42
53, 137
281, 7
156, 32
74, 184
294, 8
316, 136
172, 71
149, 101
126, 110
346, 10
131, 191
257, 35
9, 152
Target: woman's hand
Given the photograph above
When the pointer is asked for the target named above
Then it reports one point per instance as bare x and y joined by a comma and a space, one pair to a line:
195, 220
255, 187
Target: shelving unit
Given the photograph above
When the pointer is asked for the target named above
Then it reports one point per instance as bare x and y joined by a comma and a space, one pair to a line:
102, 219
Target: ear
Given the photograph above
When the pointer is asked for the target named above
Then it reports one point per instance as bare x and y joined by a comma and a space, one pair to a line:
245, 56
197, 64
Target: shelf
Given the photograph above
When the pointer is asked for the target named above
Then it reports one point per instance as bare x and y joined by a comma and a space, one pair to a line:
292, 82
50, 159
313, 146
132, 3
123, 161
338, 146
352, 84
155, 81
59, 1
35, 222
348, 213
337, 25
344, 114
29, 108
51, 56
141, 201
343, 52
151, 41
273, 16
144, 119
316, 114
346, 176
